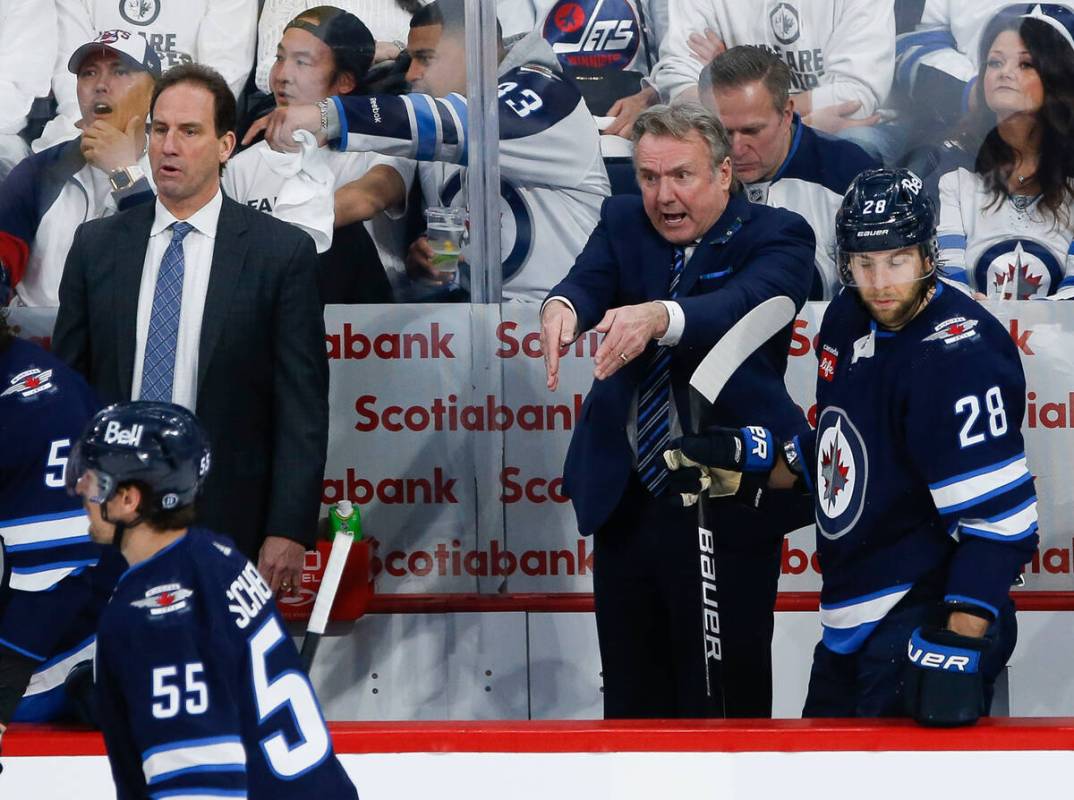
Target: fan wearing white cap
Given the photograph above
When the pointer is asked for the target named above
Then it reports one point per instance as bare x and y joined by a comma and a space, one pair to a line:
50, 193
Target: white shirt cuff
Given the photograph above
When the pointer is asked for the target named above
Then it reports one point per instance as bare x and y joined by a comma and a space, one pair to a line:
676, 324
569, 305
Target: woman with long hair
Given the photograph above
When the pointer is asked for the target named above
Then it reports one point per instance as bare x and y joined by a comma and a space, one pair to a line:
1006, 223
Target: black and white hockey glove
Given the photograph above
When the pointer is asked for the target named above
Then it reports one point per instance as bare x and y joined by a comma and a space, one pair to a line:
943, 680
721, 462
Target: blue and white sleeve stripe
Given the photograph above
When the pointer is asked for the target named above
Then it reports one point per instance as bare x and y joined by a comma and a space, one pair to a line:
44, 530
969, 489
196, 768
953, 256
848, 623
996, 502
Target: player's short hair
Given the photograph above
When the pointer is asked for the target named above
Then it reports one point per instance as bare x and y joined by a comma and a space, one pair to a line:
748, 64
224, 113
427, 16
159, 518
680, 120
452, 15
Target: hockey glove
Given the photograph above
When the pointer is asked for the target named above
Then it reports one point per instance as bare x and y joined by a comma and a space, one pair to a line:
722, 462
943, 680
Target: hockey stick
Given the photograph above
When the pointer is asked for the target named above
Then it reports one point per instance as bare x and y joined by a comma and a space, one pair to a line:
326, 596
754, 329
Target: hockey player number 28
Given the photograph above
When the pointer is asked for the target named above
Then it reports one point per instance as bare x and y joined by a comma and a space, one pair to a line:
288, 689
997, 417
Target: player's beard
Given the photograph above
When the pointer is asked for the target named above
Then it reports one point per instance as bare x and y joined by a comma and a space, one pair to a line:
897, 316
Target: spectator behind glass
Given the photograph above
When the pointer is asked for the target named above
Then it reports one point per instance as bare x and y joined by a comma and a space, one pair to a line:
1005, 221
782, 161
51, 193
387, 20
27, 55
936, 64
553, 179
840, 52
609, 47
218, 33
326, 51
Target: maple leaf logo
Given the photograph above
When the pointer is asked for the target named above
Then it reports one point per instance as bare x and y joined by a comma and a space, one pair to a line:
834, 472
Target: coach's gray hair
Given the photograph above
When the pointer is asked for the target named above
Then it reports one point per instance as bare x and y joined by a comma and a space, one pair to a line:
680, 120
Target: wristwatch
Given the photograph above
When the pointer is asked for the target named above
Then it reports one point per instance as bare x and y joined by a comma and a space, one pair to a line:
125, 177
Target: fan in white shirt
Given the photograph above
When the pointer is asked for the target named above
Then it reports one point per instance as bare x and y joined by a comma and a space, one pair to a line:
324, 51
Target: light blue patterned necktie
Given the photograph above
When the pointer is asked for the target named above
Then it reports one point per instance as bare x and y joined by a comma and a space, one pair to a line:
158, 368
654, 402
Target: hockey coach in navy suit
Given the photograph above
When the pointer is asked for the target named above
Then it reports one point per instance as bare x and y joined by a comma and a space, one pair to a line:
663, 277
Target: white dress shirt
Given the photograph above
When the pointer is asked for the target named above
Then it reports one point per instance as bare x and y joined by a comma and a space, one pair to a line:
198, 260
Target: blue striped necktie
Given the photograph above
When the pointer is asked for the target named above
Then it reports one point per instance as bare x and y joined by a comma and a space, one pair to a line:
158, 368
654, 402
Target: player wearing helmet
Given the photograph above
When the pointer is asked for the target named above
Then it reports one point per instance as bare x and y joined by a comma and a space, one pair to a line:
200, 692
53, 580
924, 504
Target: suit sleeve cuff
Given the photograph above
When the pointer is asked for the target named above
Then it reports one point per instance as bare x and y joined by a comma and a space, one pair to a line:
569, 305
676, 324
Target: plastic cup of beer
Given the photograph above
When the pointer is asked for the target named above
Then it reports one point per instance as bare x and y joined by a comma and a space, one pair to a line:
445, 228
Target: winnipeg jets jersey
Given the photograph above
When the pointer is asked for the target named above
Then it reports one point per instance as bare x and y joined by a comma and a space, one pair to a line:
841, 50
51, 598
552, 176
277, 184
919, 462
200, 689
811, 181
1013, 251
602, 34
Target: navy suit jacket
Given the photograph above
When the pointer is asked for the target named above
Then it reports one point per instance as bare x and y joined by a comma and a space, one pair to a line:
750, 254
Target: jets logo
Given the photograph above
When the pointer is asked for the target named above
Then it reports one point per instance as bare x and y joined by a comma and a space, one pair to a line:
30, 383
139, 12
785, 23
1017, 270
842, 473
165, 599
605, 34
953, 330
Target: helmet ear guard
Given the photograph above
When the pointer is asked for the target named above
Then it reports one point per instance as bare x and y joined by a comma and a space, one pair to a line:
885, 209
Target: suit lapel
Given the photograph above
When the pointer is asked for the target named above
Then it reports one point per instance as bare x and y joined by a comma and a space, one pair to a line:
229, 256
706, 256
130, 259
656, 257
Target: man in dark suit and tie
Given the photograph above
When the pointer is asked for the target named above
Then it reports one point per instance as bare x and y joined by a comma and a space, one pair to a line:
663, 277
201, 301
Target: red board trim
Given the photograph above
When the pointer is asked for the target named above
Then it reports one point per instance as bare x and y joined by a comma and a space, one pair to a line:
704, 736
583, 602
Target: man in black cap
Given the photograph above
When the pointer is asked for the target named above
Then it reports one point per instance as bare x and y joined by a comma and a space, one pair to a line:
50, 193
325, 51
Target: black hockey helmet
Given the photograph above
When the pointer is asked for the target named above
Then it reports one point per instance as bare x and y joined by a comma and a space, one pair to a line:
159, 444
884, 209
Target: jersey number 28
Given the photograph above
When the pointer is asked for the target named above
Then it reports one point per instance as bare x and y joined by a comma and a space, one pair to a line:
971, 406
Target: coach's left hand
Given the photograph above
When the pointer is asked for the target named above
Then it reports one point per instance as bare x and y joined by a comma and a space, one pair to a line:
280, 564
627, 331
